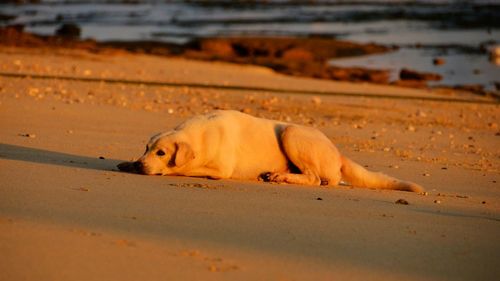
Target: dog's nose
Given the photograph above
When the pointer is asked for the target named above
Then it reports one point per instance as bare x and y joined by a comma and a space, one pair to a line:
138, 166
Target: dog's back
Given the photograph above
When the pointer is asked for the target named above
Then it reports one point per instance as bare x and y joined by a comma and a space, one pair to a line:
253, 142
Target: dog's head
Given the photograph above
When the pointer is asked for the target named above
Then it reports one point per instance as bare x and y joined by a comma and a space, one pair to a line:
165, 155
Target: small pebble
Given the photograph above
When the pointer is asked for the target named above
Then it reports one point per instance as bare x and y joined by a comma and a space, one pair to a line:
420, 113
246, 110
316, 100
213, 268
402, 202
193, 253
28, 135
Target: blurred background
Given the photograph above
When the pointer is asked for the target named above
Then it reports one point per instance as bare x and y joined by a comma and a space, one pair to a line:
456, 39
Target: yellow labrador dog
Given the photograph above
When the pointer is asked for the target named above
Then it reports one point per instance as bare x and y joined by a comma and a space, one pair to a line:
229, 144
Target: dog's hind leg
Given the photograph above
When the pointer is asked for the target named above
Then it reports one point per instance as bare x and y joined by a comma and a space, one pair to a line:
312, 153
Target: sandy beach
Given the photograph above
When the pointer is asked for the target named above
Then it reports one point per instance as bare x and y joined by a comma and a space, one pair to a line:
68, 117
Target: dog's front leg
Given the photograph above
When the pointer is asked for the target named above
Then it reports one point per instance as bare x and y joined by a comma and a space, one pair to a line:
210, 172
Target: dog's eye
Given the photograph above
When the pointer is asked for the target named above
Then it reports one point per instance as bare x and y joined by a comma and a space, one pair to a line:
160, 153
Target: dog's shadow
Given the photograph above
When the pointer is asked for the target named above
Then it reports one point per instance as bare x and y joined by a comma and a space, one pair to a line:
36, 155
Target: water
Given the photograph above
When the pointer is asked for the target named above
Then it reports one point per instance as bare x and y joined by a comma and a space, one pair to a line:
458, 31
459, 69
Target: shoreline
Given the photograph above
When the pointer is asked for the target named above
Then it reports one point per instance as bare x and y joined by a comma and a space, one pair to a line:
301, 57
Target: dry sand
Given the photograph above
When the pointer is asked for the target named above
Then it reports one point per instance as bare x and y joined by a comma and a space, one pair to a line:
67, 214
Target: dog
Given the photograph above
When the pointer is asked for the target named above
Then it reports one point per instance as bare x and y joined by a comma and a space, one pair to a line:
227, 144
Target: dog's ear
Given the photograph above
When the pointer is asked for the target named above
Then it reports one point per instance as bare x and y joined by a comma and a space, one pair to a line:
183, 154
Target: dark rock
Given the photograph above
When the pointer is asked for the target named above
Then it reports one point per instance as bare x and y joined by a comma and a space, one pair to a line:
6, 17
298, 54
475, 88
359, 74
69, 30
408, 74
218, 48
438, 61
410, 83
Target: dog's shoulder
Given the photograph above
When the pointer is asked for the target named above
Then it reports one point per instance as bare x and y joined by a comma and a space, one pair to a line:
226, 113
207, 119
224, 116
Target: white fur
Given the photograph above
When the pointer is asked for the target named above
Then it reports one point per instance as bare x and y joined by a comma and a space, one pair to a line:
231, 144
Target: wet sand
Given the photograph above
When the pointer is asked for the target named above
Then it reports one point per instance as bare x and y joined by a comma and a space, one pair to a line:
67, 213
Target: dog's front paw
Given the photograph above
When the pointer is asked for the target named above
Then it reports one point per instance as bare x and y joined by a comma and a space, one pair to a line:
265, 177
277, 177
273, 177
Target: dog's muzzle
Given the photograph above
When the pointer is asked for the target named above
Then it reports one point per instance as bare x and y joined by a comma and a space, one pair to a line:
132, 167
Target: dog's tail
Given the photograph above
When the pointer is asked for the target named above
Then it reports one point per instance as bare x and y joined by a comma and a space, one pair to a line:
358, 176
